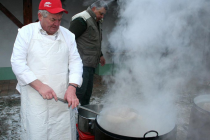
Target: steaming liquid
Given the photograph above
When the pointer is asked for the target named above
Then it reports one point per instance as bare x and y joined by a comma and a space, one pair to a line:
126, 122
204, 105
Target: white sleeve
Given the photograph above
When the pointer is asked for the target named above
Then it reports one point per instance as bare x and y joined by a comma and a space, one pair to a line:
75, 65
19, 58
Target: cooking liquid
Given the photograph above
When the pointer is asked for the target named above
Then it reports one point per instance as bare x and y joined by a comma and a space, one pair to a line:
204, 105
127, 122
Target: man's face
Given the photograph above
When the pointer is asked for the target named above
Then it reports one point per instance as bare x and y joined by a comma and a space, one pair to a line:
50, 23
99, 13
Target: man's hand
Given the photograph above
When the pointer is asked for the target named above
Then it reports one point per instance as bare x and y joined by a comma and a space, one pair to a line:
45, 91
102, 61
71, 97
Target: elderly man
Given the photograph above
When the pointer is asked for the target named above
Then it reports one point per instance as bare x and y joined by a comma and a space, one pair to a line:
87, 28
47, 65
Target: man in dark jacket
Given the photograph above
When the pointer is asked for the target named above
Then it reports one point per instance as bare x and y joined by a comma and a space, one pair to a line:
88, 32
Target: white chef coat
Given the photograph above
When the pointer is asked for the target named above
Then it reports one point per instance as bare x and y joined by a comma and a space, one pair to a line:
36, 51
19, 63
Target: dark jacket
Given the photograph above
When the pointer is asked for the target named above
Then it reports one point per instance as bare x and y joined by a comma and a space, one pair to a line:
89, 43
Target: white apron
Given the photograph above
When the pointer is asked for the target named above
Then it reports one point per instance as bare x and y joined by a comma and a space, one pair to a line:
47, 119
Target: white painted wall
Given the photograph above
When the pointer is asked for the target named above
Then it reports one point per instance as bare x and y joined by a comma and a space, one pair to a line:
8, 30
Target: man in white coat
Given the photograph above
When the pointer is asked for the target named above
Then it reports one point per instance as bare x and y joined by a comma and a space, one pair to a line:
47, 65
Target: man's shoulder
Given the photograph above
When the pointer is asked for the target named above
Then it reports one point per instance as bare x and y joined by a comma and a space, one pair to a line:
29, 27
84, 14
66, 31
68, 35
28, 30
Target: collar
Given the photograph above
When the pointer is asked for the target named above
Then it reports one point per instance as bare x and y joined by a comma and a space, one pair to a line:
92, 14
43, 32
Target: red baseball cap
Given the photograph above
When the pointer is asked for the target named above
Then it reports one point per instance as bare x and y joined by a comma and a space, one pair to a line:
52, 6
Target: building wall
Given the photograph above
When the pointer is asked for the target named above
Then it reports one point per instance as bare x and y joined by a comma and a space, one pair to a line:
8, 31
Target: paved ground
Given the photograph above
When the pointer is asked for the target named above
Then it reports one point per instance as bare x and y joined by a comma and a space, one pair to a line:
10, 108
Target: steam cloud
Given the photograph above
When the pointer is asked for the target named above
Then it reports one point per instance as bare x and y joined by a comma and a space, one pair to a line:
160, 47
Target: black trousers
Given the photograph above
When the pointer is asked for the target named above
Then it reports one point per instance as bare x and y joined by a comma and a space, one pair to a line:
85, 91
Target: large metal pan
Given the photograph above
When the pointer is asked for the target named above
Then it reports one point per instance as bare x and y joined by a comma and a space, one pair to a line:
102, 134
199, 125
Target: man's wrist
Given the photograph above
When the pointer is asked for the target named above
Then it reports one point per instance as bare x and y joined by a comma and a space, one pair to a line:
73, 85
36, 84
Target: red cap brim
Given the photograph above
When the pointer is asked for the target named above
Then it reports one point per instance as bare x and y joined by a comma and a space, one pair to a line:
57, 10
